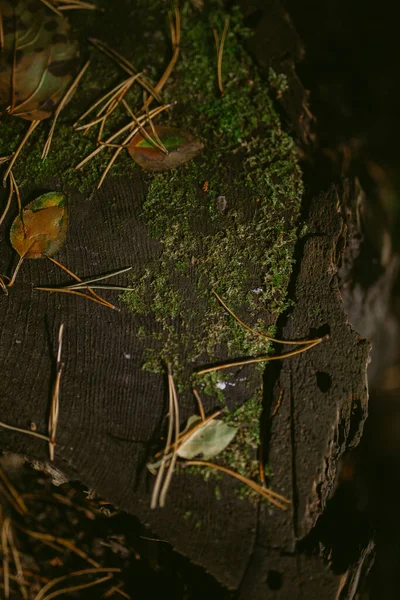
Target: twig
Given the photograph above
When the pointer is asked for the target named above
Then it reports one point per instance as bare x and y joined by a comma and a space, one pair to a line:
1, 31
76, 588
84, 284
7, 208
175, 29
116, 589
42, 594
74, 5
31, 129
5, 492
110, 104
115, 156
155, 141
154, 112
258, 359
27, 431
19, 263
199, 404
55, 397
113, 288
279, 402
101, 278
16, 190
93, 296
124, 144
3, 286
59, 5
111, 93
17, 562
263, 335
188, 434
165, 458
51, 6
49, 539
22, 509
109, 107
124, 64
276, 499
75, 293
60, 107
174, 416
6, 557
220, 51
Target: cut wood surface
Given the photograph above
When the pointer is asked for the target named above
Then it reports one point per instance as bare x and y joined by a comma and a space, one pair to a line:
112, 412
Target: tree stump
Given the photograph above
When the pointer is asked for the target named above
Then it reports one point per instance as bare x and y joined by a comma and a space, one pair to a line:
230, 221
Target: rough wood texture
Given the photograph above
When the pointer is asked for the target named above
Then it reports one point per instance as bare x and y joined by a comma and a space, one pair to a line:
112, 412
323, 408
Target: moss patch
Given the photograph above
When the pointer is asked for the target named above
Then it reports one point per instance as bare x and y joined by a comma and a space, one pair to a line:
227, 220
241, 455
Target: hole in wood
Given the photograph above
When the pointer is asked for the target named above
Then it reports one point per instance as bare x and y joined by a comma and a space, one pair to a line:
274, 580
321, 331
324, 381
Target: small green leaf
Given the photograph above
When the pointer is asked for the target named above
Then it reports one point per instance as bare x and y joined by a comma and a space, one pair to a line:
180, 145
209, 440
43, 227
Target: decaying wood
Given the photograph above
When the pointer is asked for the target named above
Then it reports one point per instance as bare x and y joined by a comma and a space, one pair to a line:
323, 409
113, 410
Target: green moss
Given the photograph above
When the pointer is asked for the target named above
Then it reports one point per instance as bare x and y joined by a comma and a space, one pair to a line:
211, 384
278, 81
241, 454
236, 238
314, 312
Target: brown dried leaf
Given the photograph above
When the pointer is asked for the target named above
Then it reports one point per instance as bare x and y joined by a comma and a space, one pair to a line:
180, 145
43, 227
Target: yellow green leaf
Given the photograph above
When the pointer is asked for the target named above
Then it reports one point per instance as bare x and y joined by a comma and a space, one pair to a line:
42, 228
209, 440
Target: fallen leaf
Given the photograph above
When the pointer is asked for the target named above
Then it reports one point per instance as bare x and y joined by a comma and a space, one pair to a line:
43, 227
209, 440
180, 145
38, 60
